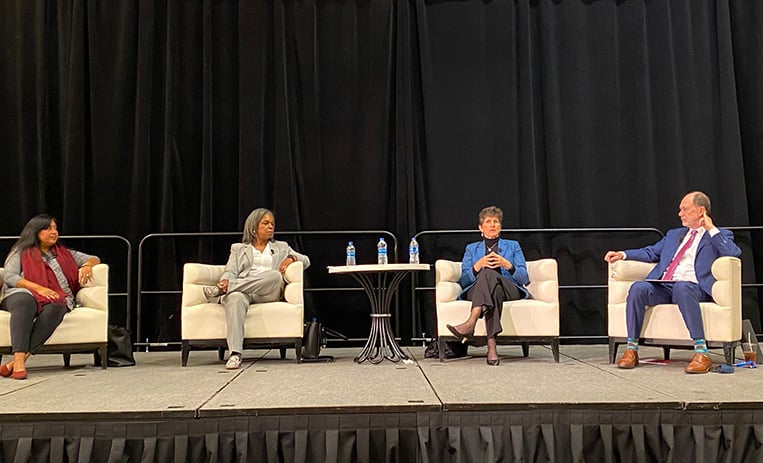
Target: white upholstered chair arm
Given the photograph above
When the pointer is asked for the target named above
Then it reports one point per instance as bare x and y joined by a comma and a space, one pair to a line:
447, 275
95, 293
195, 277
622, 274
293, 276
544, 280
727, 289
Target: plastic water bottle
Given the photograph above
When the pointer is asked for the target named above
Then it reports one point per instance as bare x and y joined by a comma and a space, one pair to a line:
350, 254
413, 252
381, 252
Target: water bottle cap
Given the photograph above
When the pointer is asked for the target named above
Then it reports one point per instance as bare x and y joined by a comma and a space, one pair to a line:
315, 319
350, 242
381, 239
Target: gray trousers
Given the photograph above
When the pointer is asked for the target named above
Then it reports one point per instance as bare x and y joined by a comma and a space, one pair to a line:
30, 330
263, 287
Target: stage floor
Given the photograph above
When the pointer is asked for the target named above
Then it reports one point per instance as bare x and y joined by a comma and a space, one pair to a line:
158, 387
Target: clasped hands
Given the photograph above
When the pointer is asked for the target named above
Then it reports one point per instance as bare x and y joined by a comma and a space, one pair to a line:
492, 260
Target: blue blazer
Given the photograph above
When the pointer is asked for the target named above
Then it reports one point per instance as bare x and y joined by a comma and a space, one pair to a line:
709, 249
509, 250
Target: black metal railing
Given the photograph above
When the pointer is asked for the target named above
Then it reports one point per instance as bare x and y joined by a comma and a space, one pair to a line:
418, 335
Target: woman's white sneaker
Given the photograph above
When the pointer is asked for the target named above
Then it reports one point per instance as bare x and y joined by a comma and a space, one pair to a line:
210, 292
234, 362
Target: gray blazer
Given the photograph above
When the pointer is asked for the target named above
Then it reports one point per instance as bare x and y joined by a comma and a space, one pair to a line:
240, 262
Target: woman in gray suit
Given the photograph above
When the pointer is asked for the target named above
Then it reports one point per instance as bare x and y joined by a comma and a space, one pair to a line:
253, 274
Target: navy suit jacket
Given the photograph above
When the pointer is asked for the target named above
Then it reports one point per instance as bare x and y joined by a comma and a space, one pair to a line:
509, 250
709, 249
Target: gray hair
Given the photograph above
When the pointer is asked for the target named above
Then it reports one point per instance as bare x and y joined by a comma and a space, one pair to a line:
491, 211
701, 200
251, 223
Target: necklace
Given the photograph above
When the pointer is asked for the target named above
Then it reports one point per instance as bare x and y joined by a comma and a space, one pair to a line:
489, 249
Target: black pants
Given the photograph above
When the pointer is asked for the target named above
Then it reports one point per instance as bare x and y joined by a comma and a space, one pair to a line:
490, 291
30, 330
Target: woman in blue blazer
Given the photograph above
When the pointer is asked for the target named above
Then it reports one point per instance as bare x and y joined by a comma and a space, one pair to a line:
492, 271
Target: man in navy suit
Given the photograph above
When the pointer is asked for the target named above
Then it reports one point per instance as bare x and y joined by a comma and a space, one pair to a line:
684, 258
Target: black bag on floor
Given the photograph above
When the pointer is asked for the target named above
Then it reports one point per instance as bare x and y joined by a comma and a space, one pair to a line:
311, 340
119, 347
453, 349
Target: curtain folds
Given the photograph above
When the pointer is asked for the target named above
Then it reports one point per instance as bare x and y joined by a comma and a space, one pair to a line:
547, 435
175, 116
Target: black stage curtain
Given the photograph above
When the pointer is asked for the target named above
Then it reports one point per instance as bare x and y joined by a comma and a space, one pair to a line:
181, 116
485, 436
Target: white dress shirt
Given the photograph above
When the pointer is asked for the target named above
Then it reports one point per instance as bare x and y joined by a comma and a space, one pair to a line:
261, 261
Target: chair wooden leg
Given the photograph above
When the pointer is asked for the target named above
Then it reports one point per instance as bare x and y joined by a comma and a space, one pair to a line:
104, 355
728, 352
525, 349
441, 348
282, 350
612, 350
298, 349
666, 352
555, 349
185, 350
221, 353
67, 360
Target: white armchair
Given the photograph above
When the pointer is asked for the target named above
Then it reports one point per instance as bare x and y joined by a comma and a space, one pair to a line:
525, 321
273, 323
83, 329
663, 324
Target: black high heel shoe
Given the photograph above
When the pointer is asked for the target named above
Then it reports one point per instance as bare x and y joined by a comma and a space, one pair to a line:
465, 337
494, 363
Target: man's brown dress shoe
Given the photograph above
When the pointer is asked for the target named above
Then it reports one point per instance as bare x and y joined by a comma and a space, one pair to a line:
629, 359
700, 363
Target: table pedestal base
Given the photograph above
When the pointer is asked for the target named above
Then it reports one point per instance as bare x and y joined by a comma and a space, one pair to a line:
381, 342
380, 283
